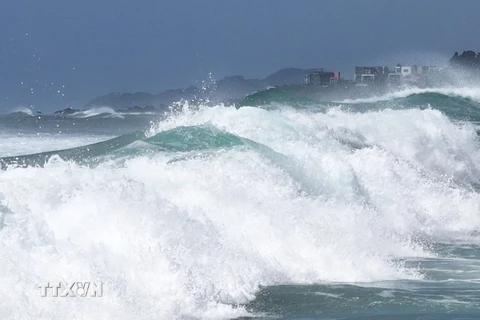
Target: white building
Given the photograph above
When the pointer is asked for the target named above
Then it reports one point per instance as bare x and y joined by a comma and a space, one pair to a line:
403, 70
404, 74
397, 76
406, 71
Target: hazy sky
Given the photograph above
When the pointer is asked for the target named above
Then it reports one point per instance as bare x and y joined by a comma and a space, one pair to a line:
94, 47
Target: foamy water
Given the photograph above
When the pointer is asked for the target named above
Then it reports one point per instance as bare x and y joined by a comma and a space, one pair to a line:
106, 111
195, 234
472, 93
27, 111
21, 144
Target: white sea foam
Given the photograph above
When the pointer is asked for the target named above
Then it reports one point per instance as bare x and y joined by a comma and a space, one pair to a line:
192, 238
472, 93
106, 111
21, 144
24, 110
136, 113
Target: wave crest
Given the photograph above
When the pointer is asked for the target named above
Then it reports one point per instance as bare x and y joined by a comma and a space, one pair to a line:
471, 93
347, 198
104, 112
22, 111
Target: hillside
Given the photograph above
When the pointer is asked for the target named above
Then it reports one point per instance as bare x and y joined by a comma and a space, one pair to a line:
228, 88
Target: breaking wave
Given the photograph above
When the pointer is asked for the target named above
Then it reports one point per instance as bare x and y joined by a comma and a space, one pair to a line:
270, 96
191, 218
465, 93
22, 111
104, 112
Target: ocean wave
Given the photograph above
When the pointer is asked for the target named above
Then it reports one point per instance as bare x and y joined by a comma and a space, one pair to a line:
104, 112
274, 95
472, 93
229, 200
24, 144
22, 111
80, 154
136, 113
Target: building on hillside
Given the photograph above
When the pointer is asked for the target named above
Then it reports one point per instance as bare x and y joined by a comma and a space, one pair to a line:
406, 71
370, 74
408, 74
395, 77
322, 77
426, 69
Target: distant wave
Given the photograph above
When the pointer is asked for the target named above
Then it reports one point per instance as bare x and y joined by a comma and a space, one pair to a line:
466, 93
22, 110
135, 113
275, 95
105, 112
180, 139
79, 154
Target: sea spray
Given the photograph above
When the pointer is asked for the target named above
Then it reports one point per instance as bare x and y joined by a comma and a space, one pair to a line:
283, 196
97, 111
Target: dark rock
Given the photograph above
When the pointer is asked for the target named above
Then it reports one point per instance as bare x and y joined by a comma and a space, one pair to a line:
66, 111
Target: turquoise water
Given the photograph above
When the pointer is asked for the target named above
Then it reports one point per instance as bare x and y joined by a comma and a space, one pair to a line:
282, 207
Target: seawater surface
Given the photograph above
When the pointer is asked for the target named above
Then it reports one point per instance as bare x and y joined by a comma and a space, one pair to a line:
284, 208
